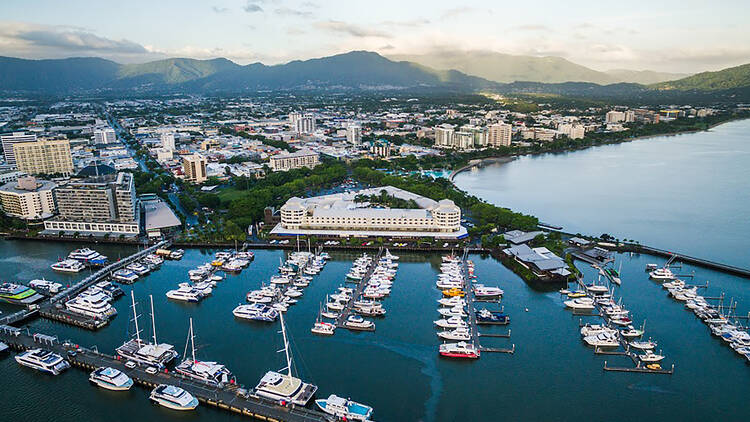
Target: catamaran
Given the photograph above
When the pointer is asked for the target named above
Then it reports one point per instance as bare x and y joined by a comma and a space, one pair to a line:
344, 409
285, 387
19, 294
211, 373
43, 360
174, 398
141, 351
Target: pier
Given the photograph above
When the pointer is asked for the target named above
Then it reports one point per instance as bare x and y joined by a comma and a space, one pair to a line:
705, 263
344, 314
231, 397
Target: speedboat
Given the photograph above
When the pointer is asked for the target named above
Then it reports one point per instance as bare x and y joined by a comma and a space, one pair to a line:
19, 294
173, 397
68, 266
650, 356
461, 349
356, 322
111, 379
43, 361
256, 312
344, 409
47, 287
185, 294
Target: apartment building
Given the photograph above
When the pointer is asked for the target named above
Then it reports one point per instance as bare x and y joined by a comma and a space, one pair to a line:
294, 160
194, 167
28, 198
44, 157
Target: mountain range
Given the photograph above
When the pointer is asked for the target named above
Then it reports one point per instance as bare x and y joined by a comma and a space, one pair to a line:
362, 70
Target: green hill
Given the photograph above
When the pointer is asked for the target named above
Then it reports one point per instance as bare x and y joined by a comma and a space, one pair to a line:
727, 79
173, 71
644, 77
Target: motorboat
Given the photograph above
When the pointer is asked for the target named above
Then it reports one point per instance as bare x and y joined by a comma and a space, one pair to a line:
454, 293
88, 256
18, 294
173, 397
138, 268
662, 274
110, 379
114, 291
485, 316
581, 303
602, 340
210, 373
46, 287
256, 296
293, 292
176, 254
330, 315
595, 329
452, 322
95, 306
621, 320
461, 349
153, 354
184, 294
650, 356
43, 360
344, 409
256, 312
356, 322
596, 288
452, 301
280, 279
458, 334
335, 306
68, 266
125, 276
485, 292
284, 388
643, 345
631, 333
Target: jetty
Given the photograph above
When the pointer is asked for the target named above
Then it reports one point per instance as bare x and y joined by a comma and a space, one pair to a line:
232, 397
344, 314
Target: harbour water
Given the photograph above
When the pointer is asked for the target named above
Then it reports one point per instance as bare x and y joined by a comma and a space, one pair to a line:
688, 193
396, 369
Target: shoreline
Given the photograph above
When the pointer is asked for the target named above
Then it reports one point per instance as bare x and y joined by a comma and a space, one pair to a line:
479, 162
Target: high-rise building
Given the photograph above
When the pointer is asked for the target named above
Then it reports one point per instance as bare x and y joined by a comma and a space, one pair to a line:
499, 135
9, 140
105, 136
354, 134
294, 160
478, 133
572, 130
167, 141
463, 140
293, 118
614, 116
98, 204
194, 167
44, 157
305, 124
28, 198
444, 135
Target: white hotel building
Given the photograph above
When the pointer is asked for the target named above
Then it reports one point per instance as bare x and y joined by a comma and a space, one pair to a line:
339, 215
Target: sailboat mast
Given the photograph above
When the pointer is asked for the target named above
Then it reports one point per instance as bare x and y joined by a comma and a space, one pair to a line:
135, 319
192, 338
153, 318
286, 345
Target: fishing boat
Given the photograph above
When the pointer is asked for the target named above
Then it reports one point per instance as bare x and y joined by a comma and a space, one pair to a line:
110, 379
256, 312
344, 409
356, 322
140, 351
461, 349
18, 294
210, 373
284, 387
43, 360
68, 266
173, 397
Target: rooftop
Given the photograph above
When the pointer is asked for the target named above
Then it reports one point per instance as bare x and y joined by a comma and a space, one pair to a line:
158, 215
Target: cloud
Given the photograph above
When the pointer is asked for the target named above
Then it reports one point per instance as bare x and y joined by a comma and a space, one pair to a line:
533, 27
218, 9
78, 41
351, 29
286, 11
252, 6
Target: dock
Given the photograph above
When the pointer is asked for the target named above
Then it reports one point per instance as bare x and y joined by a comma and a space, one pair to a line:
344, 314
705, 263
233, 398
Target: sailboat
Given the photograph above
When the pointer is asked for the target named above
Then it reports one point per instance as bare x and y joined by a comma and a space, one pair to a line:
143, 352
321, 327
284, 387
211, 373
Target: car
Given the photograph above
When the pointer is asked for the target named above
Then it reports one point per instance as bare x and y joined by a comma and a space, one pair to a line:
445, 245
152, 370
130, 364
272, 242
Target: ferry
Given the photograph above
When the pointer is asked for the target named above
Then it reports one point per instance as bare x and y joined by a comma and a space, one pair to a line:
256, 312
174, 398
111, 379
68, 266
19, 294
96, 306
461, 349
344, 409
88, 256
211, 373
43, 286
43, 360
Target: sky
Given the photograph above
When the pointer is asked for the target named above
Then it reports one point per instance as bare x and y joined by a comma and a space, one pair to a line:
674, 36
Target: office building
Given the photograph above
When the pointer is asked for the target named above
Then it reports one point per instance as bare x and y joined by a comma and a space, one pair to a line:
44, 157
194, 167
28, 198
354, 134
342, 215
168, 141
294, 160
105, 136
499, 135
8, 140
97, 205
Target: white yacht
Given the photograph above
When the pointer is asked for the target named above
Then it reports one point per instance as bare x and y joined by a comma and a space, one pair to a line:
650, 356
111, 379
201, 287
356, 322
284, 387
138, 268
602, 340
592, 330
483, 292
45, 286
454, 311
452, 322
68, 266
643, 345
184, 294
88, 256
344, 409
174, 398
43, 360
662, 274
458, 334
140, 351
256, 312
96, 305
581, 303
125, 276
211, 373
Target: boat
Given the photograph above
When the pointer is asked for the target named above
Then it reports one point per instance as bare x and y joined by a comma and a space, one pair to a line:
344, 409
111, 289
485, 316
575, 294
111, 379
461, 349
595, 329
95, 306
330, 315
662, 274
202, 288
284, 387
42, 360
654, 366
651, 267
452, 322
88, 256
184, 294
173, 397
46, 287
631, 333
484, 292
650, 356
18, 294
643, 345
210, 373
356, 322
140, 351
582, 303
613, 274
602, 340
321, 327
68, 266
457, 334
452, 301
125, 276
596, 288
256, 312
138, 268
454, 293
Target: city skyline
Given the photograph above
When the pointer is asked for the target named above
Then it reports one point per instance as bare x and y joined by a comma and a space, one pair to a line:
685, 36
